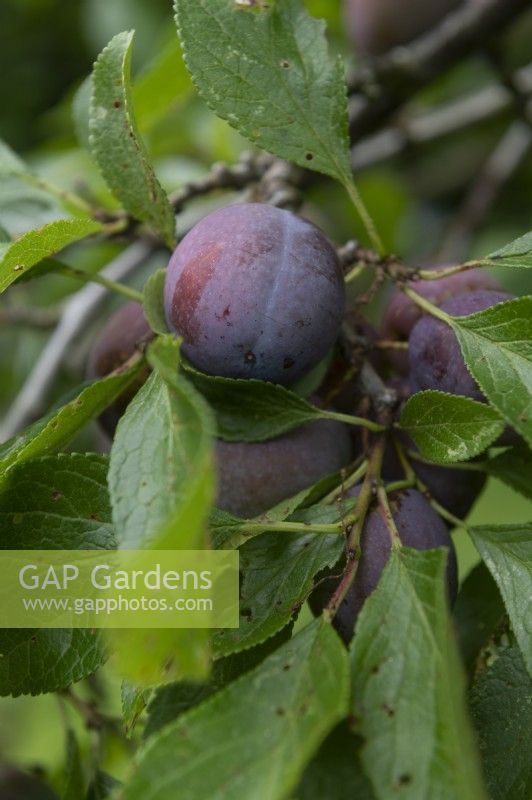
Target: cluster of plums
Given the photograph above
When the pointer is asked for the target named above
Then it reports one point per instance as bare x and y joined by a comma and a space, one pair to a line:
257, 292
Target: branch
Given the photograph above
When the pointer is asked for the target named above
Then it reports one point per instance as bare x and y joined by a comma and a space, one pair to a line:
77, 313
452, 117
380, 89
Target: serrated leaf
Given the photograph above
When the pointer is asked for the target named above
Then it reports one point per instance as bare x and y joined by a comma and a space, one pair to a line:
162, 484
447, 428
277, 577
116, 145
251, 410
516, 254
54, 503
58, 428
478, 611
36, 245
81, 111
507, 552
154, 302
408, 686
268, 72
254, 738
501, 705
514, 468
497, 347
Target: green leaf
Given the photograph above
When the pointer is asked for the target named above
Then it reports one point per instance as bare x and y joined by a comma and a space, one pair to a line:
516, 254
74, 786
58, 428
478, 611
134, 701
254, 738
251, 410
507, 552
34, 246
447, 428
268, 72
57, 502
162, 461
10, 163
501, 705
497, 347
408, 686
154, 302
116, 145
161, 481
277, 577
164, 83
514, 467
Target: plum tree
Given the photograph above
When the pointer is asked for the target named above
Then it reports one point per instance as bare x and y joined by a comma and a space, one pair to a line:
375, 26
418, 526
436, 361
255, 292
116, 343
402, 313
254, 476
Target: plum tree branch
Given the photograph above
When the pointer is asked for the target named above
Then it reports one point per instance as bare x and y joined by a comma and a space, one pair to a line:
78, 311
380, 89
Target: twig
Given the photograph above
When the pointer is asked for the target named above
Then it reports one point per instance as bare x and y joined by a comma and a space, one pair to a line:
78, 311
381, 89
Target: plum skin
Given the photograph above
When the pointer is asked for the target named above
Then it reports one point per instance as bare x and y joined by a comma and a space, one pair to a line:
119, 339
419, 527
255, 476
402, 313
255, 292
375, 26
436, 360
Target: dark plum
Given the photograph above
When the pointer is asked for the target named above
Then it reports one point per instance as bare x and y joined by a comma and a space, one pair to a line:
255, 292
253, 477
376, 26
402, 313
125, 331
418, 526
436, 361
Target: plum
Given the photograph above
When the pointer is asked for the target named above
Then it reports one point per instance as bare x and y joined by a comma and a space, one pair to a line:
402, 313
376, 26
125, 331
436, 361
255, 476
418, 526
255, 292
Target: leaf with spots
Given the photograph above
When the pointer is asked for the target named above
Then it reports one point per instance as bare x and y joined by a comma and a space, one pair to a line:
18, 258
261, 730
447, 428
408, 686
53, 503
117, 146
268, 72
